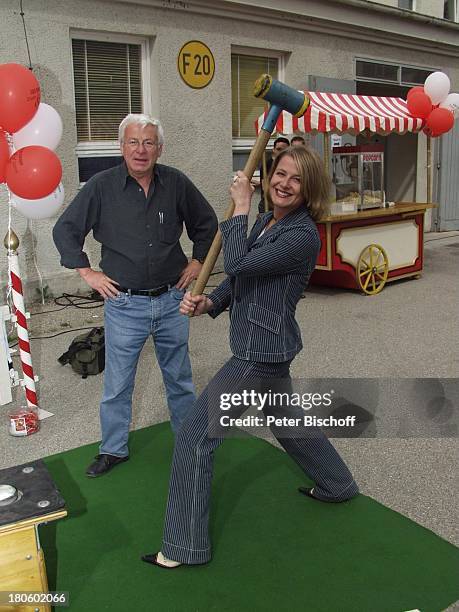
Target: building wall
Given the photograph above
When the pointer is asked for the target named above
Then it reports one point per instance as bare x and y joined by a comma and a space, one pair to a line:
393, 3
430, 7
197, 122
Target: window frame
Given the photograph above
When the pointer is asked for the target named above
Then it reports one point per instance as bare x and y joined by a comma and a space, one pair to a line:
399, 65
245, 144
455, 9
110, 148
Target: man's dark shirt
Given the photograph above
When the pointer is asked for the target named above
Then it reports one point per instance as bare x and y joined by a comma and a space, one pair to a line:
139, 235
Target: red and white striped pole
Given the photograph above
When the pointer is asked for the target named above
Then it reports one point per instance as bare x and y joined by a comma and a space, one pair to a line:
12, 243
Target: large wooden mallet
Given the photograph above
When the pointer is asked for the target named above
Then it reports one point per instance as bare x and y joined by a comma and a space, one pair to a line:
281, 97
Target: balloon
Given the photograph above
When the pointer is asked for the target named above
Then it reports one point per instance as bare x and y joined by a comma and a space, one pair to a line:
451, 102
419, 105
19, 96
42, 208
4, 155
45, 129
437, 86
414, 89
33, 172
439, 121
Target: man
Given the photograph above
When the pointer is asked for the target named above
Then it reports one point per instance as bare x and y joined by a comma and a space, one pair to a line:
298, 141
279, 145
136, 211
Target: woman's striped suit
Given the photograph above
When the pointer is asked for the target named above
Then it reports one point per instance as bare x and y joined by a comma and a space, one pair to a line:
266, 276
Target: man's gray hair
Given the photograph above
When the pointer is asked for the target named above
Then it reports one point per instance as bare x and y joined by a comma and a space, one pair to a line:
142, 120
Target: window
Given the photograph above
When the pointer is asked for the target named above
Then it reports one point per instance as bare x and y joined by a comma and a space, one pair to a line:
382, 72
415, 76
108, 85
246, 67
406, 4
374, 71
245, 70
110, 81
451, 10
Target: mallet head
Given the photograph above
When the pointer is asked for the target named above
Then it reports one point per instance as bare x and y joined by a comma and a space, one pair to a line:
281, 95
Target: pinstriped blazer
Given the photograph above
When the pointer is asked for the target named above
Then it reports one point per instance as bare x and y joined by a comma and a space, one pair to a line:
266, 276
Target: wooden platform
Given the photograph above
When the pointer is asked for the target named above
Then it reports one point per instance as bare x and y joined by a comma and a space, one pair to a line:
22, 564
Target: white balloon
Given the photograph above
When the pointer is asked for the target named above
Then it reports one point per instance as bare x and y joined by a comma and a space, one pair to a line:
45, 129
451, 102
437, 86
42, 208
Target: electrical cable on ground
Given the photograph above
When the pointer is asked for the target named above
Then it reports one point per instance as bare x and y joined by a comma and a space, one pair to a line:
66, 331
82, 303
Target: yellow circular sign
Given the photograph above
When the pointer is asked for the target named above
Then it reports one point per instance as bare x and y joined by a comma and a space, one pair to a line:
196, 64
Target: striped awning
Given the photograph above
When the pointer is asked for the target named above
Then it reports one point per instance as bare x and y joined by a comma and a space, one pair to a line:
339, 113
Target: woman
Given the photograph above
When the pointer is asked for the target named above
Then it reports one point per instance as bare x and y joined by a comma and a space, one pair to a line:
267, 273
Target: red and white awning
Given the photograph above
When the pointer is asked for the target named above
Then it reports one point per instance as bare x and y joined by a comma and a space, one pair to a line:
333, 112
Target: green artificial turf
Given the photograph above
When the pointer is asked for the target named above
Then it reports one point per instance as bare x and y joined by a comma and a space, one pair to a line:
273, 549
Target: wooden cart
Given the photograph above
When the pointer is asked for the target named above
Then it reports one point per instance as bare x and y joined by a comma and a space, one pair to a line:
366, 249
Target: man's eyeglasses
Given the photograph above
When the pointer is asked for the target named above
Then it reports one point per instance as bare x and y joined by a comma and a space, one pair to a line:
132, 143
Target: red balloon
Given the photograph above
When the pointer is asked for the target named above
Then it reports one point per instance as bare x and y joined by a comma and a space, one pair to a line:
439, 121
33, 172
19, 96
4, 155
414, 89
419, 105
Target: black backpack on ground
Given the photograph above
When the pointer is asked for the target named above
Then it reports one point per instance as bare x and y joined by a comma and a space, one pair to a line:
86, 353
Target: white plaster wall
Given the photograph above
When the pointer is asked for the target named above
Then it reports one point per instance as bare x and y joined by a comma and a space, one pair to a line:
430, 7
197, 122
434, 8
393, 3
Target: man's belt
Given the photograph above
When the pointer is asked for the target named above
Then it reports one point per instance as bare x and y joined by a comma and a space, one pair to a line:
149, 292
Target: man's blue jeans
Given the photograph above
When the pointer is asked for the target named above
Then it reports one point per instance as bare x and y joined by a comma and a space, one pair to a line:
129, 321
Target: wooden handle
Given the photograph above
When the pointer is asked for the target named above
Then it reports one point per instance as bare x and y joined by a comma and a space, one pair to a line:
264, 184
212, 256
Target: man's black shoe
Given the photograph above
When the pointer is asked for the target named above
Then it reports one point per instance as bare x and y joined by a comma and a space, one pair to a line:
103, 464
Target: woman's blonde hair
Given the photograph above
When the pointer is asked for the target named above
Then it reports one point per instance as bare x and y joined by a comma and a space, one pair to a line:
315, 182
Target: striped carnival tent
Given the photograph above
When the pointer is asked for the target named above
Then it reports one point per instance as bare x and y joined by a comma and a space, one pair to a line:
347, 113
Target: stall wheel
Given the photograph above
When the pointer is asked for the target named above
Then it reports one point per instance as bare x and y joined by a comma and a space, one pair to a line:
372, 269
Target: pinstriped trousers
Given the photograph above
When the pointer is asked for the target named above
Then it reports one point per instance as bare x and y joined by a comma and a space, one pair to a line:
186, 537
